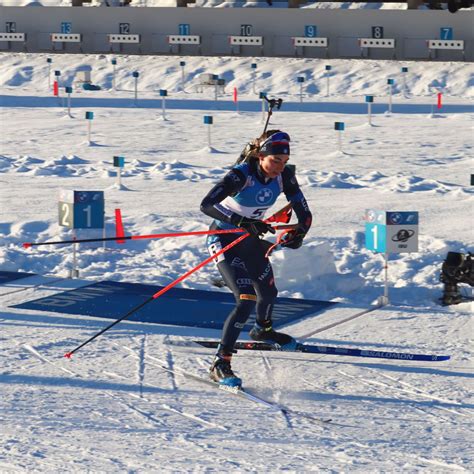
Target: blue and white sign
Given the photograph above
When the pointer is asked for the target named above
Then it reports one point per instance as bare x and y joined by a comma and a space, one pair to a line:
10, 27
208, 119
300, 79
119, 161
184, 29
339, 126
310, 31
391, 231
246, 30
124, 28
377, 32
446, 33
66, 27
81, 209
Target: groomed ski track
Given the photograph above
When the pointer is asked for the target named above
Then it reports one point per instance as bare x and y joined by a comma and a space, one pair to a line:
112, 392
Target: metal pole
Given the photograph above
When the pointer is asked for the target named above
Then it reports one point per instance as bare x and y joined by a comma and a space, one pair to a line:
113, 78
163, 107
254, 77
136, 89
390, 98
327, 85
182, 78
301, 92
74, 271
369, 110
89, 130
339, 140
209, 135
385, 290
69, 104
263, 109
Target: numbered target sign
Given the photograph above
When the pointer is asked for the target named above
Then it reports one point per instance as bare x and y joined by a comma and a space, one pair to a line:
377, 32
81, 209
246, 30
66, 27
375, 231
391, 231
124, 28
446, 33
10, 27
184, 29
310, 31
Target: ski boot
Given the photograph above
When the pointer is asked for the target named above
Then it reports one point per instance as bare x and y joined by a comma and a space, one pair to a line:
283, 342
221, 372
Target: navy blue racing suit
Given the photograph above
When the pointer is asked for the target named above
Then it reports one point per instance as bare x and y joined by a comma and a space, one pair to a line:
246, 191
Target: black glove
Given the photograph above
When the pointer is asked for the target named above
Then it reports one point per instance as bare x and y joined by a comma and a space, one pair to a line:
294, 238
254, 227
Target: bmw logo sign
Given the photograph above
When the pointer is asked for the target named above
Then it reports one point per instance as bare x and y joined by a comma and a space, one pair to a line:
264, 196
396, 218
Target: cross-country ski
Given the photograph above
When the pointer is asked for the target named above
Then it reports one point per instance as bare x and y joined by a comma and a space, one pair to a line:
329, 350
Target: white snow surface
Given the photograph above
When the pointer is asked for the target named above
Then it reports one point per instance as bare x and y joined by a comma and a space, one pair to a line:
111, 408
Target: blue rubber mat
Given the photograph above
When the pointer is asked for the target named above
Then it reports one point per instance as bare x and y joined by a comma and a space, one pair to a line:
179, 307
7, 277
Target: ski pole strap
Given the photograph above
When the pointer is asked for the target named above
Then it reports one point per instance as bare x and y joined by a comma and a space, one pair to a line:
287, 230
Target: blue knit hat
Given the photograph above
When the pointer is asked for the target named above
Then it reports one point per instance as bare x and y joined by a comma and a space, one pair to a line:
276, 144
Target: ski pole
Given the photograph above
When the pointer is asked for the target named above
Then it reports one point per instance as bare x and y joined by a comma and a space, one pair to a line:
159, 293
172, 284
141, 237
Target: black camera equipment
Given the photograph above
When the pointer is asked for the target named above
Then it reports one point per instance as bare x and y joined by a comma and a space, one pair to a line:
457, 268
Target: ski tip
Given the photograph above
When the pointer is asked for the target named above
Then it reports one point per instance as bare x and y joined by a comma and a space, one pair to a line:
68, 355
26, 245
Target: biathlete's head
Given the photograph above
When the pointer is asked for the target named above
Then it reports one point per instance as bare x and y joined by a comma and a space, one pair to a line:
274, 153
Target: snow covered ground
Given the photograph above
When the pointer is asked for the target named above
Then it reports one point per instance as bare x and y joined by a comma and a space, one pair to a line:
111, 408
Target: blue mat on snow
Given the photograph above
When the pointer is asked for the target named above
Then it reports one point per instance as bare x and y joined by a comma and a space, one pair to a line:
7, 277
179, 307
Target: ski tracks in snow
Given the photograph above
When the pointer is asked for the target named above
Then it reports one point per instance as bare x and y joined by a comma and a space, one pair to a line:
190, 416
383, 387
149, 417
130, 407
